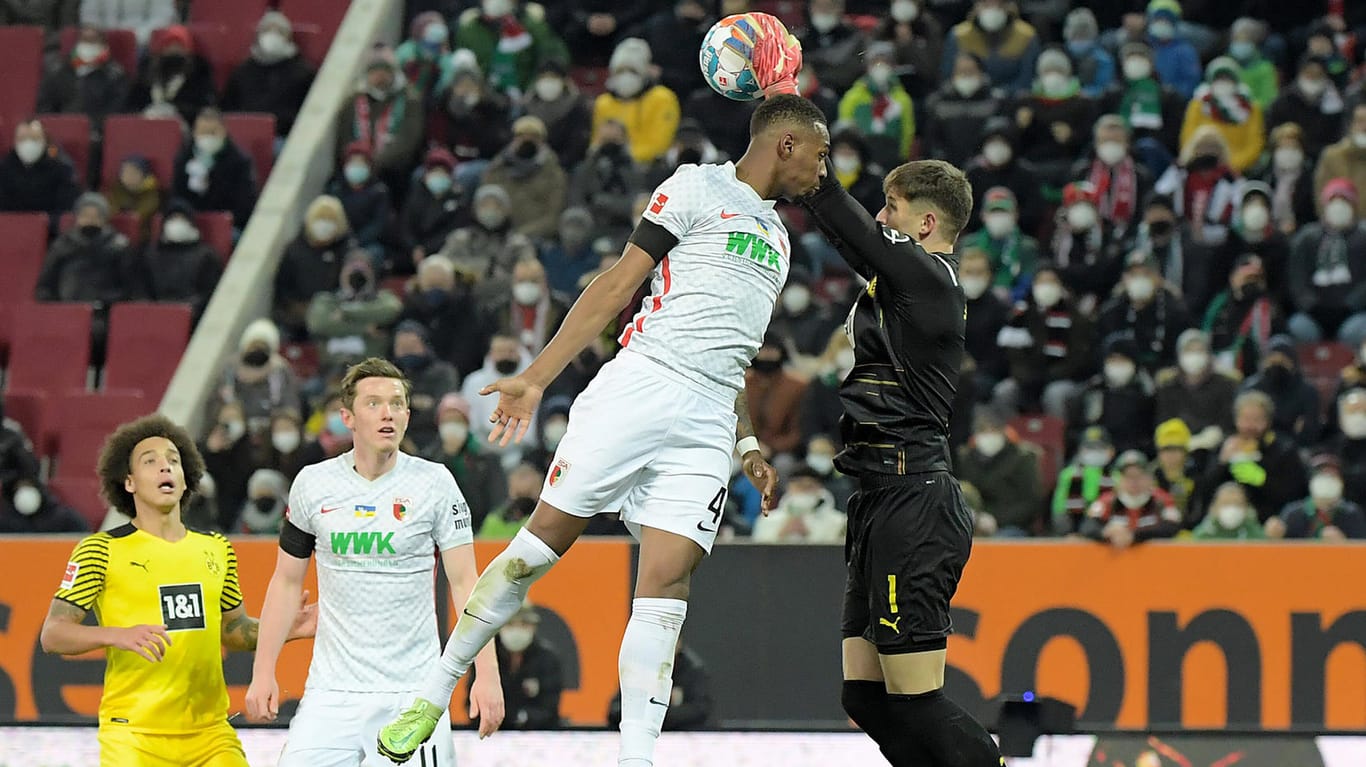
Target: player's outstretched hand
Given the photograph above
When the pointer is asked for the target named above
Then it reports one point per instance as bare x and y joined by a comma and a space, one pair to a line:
305, 620
517, 403
263, 700
764, 478
486, 704
777, 56
151, 642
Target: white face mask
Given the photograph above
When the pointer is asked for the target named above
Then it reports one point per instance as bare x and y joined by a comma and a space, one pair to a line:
496, 8
1339, 214
846, 163
1047, 294
1132, 501
1256, 217
1119, 373
1359, 139
904, 11
1288, 158
801, 503
453, 432
516, 638
435, 34
1081, 216
208, 144
973, 285
285, 441
273, 43
820, 463
27, 500
1140, 288
179, 230
1193, 363
1311, 87
1223, 89
322, 230
880, 74
490, 218
1230, 516
1111, 152
824, 22
1137, 68
990, 443
1094, 456
796, 299
89, 51
1162, 29
29, 150
554, 432
1053, 83
1325, 488
999, 224
526, 293
549, 88
235, 429
997, 153
626, 84
966, 86
992, 19
1353, 425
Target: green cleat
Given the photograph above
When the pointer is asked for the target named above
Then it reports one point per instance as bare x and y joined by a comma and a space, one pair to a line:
399, 739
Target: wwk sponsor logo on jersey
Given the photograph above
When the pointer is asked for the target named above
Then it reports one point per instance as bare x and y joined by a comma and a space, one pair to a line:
755, 248
361, 544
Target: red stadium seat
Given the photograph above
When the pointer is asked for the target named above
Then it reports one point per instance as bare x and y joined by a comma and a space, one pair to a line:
312, 43
125, 223
82, 421
215, 228
123, 45
591, 81
146, 342
50, 349
302, 356
254, 134
23, 246
1325, 359
239, 13
83, 495
21, 61
158, 139
1049, 435
224, 47
29, 407
70, 133
327, 15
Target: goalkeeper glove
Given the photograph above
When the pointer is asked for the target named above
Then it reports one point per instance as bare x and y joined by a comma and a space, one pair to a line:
777, 56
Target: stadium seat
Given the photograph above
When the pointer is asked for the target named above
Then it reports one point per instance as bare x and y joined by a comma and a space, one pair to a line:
21, 59
23, 246
254, 134
327, 15
29, 408
215, 228
50, 348
591, 81
1325, 359
123, 45
158, 139
224, 47
145, 344
302, 357
238, 13
83, 495
312, 43
1049, 435
81, 421
125, 223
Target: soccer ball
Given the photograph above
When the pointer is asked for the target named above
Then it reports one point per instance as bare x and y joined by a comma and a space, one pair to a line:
725, 57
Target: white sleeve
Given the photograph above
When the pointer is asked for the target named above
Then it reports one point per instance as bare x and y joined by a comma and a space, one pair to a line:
300, 511
674, 202
453, 526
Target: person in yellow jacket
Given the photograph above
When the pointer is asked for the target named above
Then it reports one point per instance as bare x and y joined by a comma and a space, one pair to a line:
1224, 102
649, 110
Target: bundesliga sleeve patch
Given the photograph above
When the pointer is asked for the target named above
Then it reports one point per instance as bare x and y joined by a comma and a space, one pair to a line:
69, 578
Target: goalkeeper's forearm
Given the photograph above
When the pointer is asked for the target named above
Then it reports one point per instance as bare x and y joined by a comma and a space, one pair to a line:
277, 615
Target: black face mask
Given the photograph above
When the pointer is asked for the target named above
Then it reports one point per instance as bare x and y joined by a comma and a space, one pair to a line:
763, 365
1204, 162
1278, 376
611, 149
1161, 230
91, 231
520, 507
256, 358
173, 63
357, 281
505, 367
689, 156
264, 505
527, 150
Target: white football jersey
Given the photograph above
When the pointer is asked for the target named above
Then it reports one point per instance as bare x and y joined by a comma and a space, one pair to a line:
376, 550
713, 293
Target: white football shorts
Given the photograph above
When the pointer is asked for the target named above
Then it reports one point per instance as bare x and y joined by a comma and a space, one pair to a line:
338, 729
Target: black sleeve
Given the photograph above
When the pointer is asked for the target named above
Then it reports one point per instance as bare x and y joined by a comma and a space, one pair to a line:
653, 239
296, 542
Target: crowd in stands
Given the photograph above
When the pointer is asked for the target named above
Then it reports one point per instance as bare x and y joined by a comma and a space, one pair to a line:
1166, 272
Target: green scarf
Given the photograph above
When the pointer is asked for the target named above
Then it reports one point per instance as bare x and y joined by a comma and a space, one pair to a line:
1141, 106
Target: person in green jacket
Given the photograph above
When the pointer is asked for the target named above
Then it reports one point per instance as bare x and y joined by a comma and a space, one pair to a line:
1258, 73
1230, 518
509, 42
524, 489
1014, 255
1082, 481
881, 108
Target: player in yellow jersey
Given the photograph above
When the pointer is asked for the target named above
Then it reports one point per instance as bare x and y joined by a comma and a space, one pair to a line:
167, 602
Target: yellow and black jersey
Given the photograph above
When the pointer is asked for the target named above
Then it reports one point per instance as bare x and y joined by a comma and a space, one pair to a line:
129, 578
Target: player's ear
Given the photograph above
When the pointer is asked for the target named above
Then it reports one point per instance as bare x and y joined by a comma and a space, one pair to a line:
128, 483
787, 145
928, 225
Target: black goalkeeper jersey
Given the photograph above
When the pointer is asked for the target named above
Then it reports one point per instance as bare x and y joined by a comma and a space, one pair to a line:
907, 328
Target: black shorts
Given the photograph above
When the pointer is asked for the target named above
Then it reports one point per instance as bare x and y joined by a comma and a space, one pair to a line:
908, 540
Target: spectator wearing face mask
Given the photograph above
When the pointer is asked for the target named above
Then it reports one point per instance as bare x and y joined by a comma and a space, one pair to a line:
570, 255
880, 108
1266, 463
987, 314
27, 507
1253, 232
531, 175
1296, 401
1013, 255
509, 38
180, 267
333, 438
478, 473
213, 173
312, 262
17, 461
1082, 481
1005, 473
1121, 182
1047, 341
774, 397
1350, 444
1006, 44
1290, 177
919, 41
1353, 375
173, 80
1120, 399
1196, 393
349, 323
135, 190
552, 421
1203, 186
1225, 104
419, 57
528, 310
1258, 73
257, 377
1053, 118
1174, 58
1174, 471
806, 513
506, 357
435, 207
523, 491
227, 451
855, 168
35, 177
446, 309
365, 199
1095, 66
557, 102
469, 116
692, 146
956, 111
530, 672
820, 407
385, 115
1242, 319
89, 82
607, 181
1230, 518
998, 164
1083, 247
485, 251
1135, 510
286, 442
264, 510
798, 319
1345, 159
649, 110
1328, 39
1149, 106
1146, 311
1313, 102
1325, 515
820, 458
274, 79
430, 376
831, 44
90, 262
1326, 272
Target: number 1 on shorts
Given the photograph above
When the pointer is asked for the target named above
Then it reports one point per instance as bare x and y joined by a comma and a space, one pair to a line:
891, 593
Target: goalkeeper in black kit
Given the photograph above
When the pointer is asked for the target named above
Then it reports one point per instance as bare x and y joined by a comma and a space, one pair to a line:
909, 530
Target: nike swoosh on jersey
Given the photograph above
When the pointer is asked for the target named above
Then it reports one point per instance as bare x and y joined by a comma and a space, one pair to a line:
326, 510
725, 215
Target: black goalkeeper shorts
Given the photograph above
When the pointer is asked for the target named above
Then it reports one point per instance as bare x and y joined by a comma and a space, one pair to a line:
908, 540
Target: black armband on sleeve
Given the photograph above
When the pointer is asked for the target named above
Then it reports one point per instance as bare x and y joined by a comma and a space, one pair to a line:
296, 542
653, 239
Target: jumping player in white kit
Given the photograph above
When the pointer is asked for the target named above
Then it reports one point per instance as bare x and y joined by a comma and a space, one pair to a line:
374, 516
652, 435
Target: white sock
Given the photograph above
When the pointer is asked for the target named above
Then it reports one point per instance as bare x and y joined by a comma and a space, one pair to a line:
646, 665
497, 596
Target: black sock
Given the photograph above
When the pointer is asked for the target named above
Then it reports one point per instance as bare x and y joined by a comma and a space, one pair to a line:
938, 725
867, 704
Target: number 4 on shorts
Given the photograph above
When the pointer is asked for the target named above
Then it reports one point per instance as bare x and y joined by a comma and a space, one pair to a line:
716, 507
